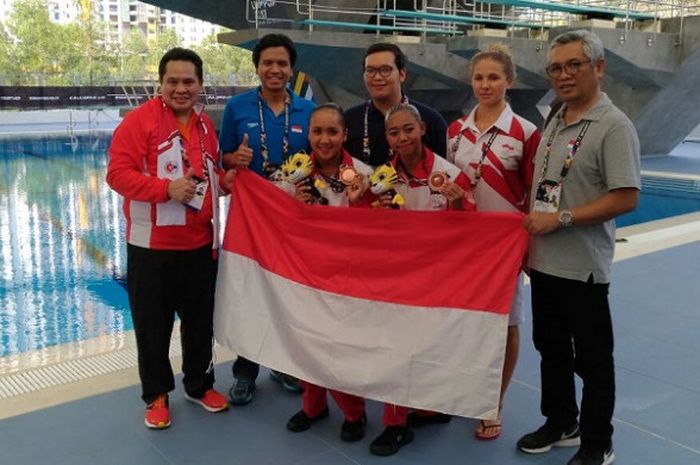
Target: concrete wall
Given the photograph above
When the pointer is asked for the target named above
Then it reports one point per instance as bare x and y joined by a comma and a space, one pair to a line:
530, 56
673, 112
689, 39
629, 99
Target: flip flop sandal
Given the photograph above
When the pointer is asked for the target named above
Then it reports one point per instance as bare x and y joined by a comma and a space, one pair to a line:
480, 433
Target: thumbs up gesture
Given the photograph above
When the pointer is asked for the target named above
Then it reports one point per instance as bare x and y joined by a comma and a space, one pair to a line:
242, 157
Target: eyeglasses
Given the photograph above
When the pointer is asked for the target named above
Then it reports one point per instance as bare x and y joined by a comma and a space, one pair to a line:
572, 67
384, 71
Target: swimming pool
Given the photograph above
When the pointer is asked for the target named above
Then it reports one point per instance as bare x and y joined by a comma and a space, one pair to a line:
62, 250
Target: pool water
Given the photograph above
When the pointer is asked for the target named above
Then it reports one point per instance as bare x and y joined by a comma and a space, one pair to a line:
663, 197
62, 252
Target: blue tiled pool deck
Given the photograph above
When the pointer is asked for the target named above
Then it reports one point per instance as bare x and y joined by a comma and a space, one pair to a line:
654, 297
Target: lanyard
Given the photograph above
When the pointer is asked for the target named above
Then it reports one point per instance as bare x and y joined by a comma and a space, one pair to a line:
569, 156
455, 146
408, 178
264, 149
203, 150
366, 151
484, 151
337, 186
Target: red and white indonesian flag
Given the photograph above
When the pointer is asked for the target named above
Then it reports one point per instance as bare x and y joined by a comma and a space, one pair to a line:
400, 306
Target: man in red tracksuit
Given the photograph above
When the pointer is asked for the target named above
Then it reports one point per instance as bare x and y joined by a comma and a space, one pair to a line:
163, 161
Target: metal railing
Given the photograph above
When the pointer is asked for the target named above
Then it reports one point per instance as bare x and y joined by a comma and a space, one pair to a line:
455, 17
138, 91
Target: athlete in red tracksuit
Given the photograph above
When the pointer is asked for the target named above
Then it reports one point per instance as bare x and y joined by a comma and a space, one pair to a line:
163, 160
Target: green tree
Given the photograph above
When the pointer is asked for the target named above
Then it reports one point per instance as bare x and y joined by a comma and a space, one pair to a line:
224, 64
94, 64
40, 49
163, 41
139, 57
6, 45
36, 51
133, 55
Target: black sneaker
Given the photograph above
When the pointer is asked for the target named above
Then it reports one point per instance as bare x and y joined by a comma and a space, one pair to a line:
289, 383
242, 391
301, 421
547, 437
353, 431
588, 455
416, 420
391, 440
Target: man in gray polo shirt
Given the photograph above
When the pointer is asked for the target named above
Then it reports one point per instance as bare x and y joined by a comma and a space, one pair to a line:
586, 174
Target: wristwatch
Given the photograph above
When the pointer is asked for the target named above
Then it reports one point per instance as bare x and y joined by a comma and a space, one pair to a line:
566, 218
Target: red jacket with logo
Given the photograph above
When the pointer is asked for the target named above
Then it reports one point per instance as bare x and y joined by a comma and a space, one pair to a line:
153, 220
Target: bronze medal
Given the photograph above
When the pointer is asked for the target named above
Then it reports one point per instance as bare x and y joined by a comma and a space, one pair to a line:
437, 179
348, 175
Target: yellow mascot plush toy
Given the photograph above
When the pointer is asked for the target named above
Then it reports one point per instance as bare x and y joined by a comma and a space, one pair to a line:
297, 170
382, 181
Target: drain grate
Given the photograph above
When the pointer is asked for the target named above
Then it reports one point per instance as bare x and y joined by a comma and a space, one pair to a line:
71, 371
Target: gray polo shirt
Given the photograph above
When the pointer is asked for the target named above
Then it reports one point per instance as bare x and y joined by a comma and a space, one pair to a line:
607, 159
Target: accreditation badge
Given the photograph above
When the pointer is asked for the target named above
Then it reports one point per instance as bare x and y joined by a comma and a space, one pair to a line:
547, 197
438, 201
200, 192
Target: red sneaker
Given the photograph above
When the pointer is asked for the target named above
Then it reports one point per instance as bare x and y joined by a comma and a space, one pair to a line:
212, 401
157, 413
